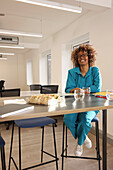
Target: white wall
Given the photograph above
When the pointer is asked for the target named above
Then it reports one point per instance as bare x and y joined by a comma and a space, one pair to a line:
13, 72
100, 29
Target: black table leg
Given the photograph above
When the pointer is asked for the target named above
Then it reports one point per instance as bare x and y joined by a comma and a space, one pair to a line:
104, 149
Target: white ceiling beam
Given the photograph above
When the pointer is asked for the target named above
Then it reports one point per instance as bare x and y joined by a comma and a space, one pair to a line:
54, 5
31, 45
103, 3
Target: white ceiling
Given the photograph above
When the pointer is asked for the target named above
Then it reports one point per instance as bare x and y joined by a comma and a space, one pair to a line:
36, 19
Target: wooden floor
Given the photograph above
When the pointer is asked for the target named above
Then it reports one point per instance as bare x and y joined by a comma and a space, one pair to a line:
31, 144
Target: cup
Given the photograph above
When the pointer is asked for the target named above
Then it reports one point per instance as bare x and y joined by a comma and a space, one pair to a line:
86, 90
75, 94
109, 95
79, 94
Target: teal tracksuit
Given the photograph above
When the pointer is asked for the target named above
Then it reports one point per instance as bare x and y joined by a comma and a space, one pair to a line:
80, 123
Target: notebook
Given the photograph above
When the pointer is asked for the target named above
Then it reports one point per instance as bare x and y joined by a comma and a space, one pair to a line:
103, 93
107, 95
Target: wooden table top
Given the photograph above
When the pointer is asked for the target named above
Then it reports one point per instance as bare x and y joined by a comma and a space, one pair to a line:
69, 106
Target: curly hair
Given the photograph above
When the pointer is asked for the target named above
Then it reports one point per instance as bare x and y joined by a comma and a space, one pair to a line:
84, 48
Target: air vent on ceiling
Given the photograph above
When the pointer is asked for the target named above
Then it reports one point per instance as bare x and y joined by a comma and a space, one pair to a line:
2, 58
9, 40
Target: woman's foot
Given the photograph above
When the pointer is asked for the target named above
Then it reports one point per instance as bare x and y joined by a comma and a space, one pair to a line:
78, 150
88, 143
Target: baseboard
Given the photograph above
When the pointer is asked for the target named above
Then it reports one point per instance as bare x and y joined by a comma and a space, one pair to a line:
109, 137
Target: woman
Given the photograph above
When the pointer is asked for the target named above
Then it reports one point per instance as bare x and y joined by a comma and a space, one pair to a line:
85, 74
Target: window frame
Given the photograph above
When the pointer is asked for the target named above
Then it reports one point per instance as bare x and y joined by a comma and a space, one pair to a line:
29, 71
49, 69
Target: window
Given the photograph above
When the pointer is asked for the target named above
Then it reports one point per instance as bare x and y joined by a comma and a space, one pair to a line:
77, 45
49, 69
29, 72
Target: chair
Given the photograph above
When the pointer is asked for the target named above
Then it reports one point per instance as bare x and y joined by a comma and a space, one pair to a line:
34, 87
1, 85
64, 150
2, 144
49, 89
10, 92
31, 123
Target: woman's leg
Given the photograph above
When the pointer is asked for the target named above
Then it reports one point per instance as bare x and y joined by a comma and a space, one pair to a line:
70, 121
84, 125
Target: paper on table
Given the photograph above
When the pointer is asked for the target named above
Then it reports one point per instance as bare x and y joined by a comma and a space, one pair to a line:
15, 101
11, 109
66, 94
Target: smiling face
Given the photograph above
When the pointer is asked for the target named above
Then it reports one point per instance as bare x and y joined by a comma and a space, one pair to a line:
82, 58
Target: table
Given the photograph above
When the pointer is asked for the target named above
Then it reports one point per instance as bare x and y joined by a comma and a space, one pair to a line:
70, 106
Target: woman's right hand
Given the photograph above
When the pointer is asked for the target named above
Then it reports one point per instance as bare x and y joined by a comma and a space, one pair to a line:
72, 90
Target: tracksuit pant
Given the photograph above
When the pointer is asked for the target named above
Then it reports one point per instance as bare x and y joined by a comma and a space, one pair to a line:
79, 124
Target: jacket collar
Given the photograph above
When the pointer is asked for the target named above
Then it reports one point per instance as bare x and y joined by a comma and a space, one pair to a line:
77, 70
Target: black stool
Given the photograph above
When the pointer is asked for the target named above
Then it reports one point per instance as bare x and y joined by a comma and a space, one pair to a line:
30, 123
64, 150
2, 144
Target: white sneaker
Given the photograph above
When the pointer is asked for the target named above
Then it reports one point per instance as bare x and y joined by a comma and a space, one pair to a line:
79, 150
88, 143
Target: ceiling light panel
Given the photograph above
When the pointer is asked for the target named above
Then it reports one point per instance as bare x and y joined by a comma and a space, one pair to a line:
16, 47
7, 53
10, 32
54, 5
